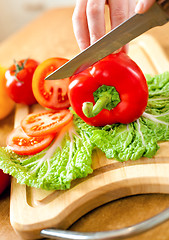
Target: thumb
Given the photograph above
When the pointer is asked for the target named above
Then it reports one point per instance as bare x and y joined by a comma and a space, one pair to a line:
143, 5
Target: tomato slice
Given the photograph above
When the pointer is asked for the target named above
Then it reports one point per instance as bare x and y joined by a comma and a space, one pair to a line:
22, 144
50, 93
49, 122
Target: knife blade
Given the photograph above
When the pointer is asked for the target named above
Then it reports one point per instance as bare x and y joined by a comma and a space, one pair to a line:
115, 39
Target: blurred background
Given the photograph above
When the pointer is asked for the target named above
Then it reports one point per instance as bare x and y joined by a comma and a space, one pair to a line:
17, 13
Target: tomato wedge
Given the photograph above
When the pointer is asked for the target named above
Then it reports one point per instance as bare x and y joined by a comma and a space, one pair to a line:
22, 144
50, 93
49, 122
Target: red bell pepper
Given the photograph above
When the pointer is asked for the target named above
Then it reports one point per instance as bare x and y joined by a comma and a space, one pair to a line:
120, 72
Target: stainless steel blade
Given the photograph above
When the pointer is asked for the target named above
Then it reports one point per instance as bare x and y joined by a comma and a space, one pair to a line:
112, 41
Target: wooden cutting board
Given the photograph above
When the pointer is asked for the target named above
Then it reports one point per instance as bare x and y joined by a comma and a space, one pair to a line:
32, 210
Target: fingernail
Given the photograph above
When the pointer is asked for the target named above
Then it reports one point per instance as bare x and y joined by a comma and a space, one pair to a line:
139, 7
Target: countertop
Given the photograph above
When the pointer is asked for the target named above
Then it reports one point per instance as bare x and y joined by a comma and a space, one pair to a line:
51, 35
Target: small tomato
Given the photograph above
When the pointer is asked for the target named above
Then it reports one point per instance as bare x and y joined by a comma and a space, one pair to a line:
19, 81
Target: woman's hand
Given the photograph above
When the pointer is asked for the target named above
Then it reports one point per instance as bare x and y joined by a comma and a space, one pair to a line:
89, 20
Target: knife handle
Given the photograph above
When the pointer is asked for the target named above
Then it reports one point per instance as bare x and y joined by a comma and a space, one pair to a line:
164, 5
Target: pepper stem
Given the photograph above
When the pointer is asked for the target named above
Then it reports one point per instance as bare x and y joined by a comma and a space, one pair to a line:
91, 111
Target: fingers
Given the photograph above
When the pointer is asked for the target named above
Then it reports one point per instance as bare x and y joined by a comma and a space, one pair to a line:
88, 21
143, 5
119, 11
95, 17
132, 6
80, 25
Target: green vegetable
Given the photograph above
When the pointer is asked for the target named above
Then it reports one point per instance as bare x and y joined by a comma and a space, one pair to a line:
70, 155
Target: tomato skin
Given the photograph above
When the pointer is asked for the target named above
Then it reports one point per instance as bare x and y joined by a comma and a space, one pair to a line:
50, 93
4, 181
22, 144
116, 70
19, 81
44, 123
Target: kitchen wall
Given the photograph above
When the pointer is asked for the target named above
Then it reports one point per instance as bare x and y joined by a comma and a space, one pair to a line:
16, 13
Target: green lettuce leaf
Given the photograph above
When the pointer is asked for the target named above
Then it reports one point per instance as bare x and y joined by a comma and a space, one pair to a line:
67, 158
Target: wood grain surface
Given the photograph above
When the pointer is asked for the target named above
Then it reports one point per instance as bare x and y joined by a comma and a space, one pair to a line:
58, 40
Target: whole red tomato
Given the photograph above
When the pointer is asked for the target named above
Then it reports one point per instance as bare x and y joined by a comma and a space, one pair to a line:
4, 181
19, 81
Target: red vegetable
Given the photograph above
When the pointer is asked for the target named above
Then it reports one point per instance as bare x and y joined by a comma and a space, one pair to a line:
19, 81
50, 94
116, 70
45, 123
4, 181
22, 144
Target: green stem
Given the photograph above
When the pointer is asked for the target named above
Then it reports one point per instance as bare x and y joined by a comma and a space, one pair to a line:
91, 111
19, 68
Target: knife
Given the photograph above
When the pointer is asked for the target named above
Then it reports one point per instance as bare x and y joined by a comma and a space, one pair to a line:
157, 15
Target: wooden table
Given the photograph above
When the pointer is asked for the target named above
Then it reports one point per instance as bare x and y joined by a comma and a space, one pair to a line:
52, 35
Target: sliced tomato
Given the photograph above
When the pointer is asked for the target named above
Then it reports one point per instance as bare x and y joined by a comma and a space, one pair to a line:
50, 93
49, 122
22, 144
